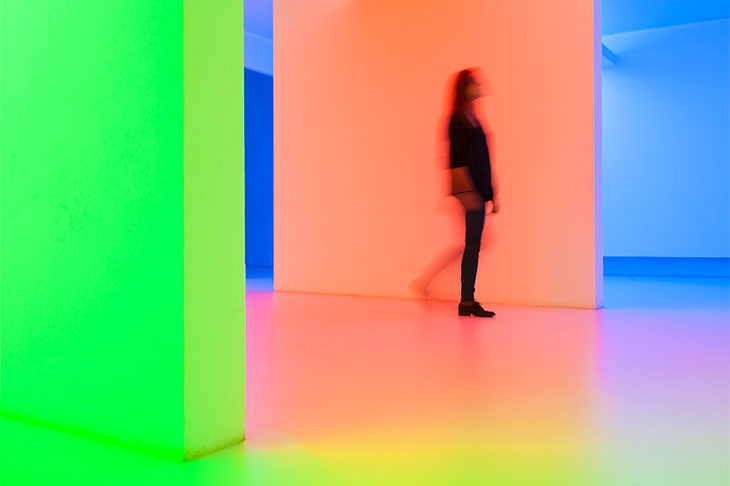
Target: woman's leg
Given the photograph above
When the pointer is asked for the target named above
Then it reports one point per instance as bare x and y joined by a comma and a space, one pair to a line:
470, 260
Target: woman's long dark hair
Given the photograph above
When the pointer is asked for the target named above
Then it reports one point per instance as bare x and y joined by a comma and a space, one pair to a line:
462, 102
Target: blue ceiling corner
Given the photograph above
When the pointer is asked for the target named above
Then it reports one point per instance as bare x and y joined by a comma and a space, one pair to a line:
628, 15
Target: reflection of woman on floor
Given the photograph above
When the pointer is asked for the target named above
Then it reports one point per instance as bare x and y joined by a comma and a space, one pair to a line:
471, 175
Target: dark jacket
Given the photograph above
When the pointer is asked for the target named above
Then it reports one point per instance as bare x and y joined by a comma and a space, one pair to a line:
469, 149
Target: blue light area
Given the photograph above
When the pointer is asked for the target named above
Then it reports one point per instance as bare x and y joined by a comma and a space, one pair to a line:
259, 53
629, 15
259, 18
259, 127
259, 169
666, 158
688, 294
258, 35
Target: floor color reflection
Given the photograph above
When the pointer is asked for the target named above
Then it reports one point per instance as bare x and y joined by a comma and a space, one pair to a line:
347, 390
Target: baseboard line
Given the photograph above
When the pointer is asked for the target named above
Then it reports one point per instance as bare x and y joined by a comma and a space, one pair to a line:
666, 266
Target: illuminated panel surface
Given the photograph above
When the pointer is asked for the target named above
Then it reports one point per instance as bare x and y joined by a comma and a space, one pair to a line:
122, 220
360, 101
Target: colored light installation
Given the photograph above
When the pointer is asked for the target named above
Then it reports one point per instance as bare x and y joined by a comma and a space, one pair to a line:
360, 176
122, 311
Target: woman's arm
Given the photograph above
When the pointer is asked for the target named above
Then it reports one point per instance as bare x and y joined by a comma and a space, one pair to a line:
496, 205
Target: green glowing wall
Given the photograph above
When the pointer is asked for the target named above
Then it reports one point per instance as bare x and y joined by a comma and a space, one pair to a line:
121, 219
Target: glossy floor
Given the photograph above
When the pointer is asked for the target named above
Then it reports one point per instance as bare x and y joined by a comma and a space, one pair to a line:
346, 390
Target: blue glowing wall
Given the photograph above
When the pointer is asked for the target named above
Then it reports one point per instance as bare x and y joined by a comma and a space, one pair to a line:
259, 169
665, 142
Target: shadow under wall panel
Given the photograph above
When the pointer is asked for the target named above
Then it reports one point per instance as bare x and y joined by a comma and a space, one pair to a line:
362, 96
121, 190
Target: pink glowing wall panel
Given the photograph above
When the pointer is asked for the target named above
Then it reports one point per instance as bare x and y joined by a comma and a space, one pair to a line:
361, 94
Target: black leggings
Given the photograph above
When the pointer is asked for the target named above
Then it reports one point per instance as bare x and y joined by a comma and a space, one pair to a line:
470, 260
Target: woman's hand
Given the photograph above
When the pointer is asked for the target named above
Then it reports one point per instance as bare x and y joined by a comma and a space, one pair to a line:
495, 206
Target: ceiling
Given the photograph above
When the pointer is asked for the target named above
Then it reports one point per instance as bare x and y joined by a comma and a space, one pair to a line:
617, 15
628, 15
258, 18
